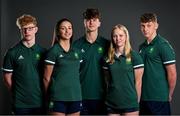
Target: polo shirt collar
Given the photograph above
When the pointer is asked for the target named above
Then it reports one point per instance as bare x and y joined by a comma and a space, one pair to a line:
32, 47
153, 41
98, 40
62, 50
122, 55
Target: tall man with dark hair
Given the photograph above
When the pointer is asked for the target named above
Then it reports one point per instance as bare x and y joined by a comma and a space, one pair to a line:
159, 77
93, 48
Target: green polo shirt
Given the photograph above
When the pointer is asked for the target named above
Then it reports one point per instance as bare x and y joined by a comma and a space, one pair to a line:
121, 92
156, 56
91, 75
24, 64
65, 84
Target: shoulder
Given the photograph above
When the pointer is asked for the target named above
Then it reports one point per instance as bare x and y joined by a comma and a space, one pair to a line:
14, 49
40, 48
79, 40
141, 45
135, 55
161, 40
53, 49
103, 41
163, 44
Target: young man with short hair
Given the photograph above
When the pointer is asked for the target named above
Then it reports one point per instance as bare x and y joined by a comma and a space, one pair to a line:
22, 69
93, 48
159, 78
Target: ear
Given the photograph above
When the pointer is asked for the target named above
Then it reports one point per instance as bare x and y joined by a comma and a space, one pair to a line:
156, 25
99, 23
36, 29
85, 22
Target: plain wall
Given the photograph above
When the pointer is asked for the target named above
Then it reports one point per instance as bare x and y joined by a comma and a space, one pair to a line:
126, 12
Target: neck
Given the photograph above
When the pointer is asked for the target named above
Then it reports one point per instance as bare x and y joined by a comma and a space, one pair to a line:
91, 36
119, 50
28, 44
65, 44
151, 38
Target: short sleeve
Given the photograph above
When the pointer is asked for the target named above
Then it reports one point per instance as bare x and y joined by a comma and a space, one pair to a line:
137, 60
8, 62
167, 53
50, 57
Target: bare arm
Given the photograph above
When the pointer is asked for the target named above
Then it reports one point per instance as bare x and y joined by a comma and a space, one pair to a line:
138, 81
171, 76
47, 76
7, 77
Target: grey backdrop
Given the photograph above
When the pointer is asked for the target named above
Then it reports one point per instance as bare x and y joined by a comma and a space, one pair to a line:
126, 12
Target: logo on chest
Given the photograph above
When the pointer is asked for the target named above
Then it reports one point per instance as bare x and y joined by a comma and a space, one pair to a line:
128, 61
151, 50
20, 57
61, 56
76, 55
100, 50
37, 56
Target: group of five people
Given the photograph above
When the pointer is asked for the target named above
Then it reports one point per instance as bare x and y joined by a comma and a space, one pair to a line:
91, 75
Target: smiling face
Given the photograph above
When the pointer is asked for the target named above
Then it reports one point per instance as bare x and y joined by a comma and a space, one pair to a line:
65, 30
119, 37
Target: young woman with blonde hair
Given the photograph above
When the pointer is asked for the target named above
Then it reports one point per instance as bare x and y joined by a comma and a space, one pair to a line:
125, 68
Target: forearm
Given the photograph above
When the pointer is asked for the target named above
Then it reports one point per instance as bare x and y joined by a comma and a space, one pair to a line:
46, 84
47, 76
138, 90
172, 84
8, 80
138, 81
171, 76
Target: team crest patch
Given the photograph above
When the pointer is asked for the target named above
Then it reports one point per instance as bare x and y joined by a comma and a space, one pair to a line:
100, 50
37, 56
151, 50
51, 104
128, 61
76, 55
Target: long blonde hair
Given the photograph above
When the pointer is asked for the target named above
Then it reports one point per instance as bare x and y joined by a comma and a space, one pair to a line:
127, 47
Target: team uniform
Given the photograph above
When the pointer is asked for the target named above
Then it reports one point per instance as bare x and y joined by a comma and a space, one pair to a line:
121, 96
91, 76
24, 64
65, 88
155, 90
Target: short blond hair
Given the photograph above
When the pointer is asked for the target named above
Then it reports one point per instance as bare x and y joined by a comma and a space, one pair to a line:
25, 19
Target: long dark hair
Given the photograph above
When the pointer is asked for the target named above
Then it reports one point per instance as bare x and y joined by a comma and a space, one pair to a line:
56, 35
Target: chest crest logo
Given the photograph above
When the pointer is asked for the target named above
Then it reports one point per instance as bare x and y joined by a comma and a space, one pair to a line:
128, 61
37, 56
76, 55
100, 50
151, 50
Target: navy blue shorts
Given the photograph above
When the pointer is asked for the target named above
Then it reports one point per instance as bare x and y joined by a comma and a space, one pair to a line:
93, 107
67, 107
28, 111
155, 108
121, 111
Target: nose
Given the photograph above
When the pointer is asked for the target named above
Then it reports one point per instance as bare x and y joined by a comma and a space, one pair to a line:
25, 31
